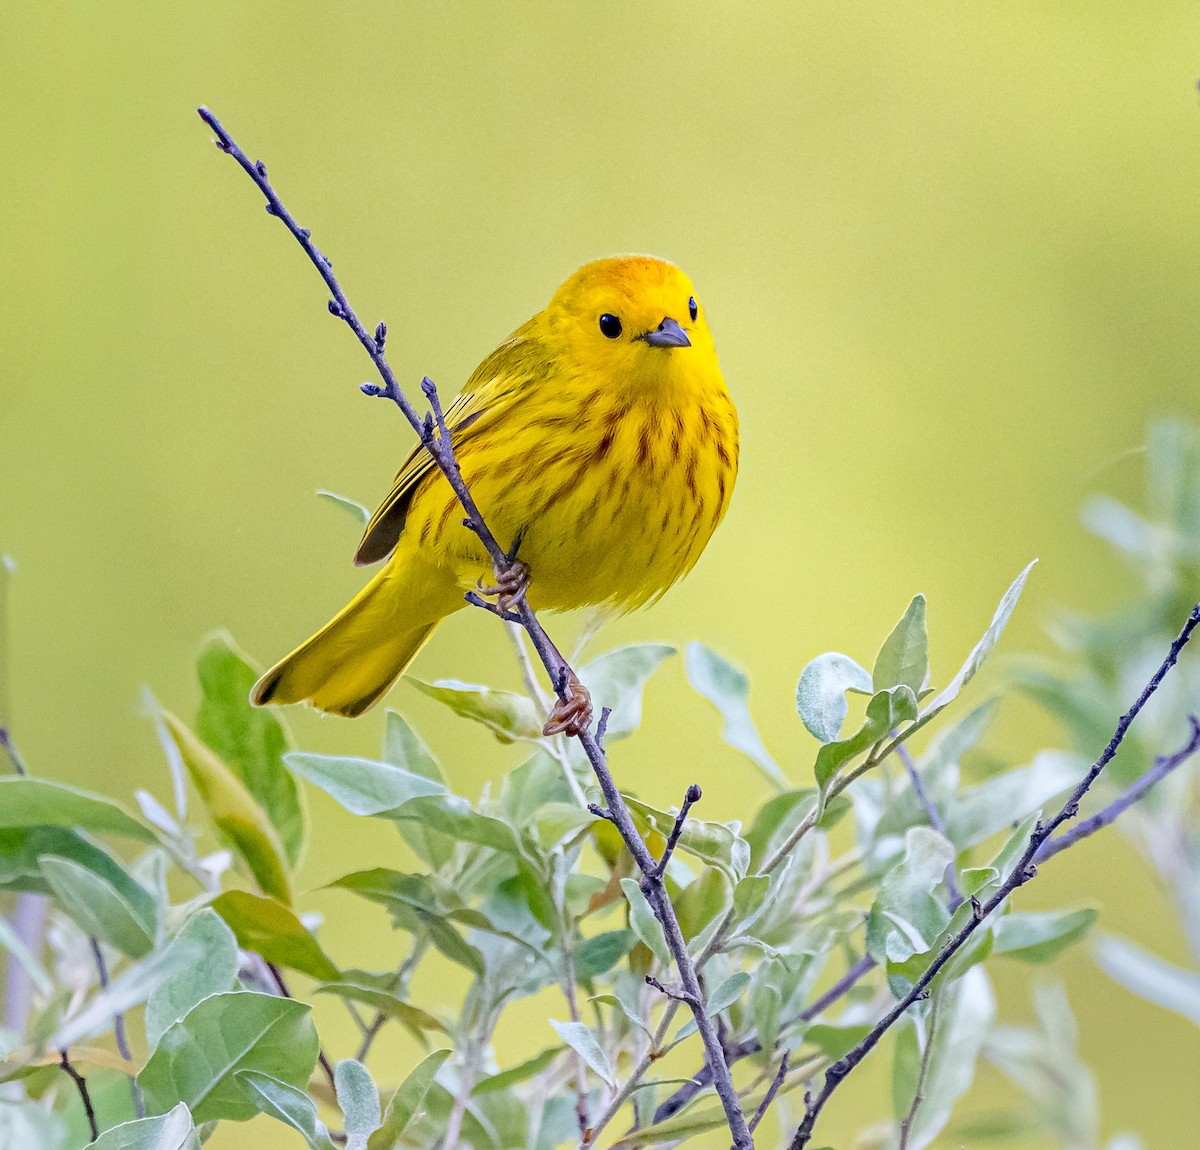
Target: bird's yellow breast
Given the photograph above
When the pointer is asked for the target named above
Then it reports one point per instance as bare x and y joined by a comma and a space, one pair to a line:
610, 492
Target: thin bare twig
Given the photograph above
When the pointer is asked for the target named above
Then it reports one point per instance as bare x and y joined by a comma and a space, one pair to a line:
690, 799
1163, 766
398, 986
1022, 872
769, 1097
935, 819
10, 749
435, 436
82, 1086
135, 1092
322, 1058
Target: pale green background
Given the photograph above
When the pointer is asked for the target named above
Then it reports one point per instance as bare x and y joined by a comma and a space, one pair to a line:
949, 251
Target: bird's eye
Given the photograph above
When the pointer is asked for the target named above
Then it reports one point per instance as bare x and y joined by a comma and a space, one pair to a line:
610, 325
692, 309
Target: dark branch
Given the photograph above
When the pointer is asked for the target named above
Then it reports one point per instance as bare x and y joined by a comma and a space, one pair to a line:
678, 995
560, 674
769, 1097
750, 1046
322, 1058
1024, 870
10, 748
690, 799
82, 1087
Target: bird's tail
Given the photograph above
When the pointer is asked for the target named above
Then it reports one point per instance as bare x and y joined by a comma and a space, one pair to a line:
348, 665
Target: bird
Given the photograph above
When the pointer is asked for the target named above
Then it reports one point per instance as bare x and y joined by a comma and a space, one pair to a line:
599, 442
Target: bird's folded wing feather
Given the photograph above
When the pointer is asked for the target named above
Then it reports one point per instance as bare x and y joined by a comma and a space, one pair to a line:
491, 390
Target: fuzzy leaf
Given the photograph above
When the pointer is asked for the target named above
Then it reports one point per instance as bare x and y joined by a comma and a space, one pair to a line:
617, 679
170, 1131
886, 710
102, 909
1150, 977
358, 1097
197, 1058
506, 714
289, 1105
1041, 936
821, 693
728, 689
905, 918
581, 1039
402, 747
363, 786
904, 656
207, 964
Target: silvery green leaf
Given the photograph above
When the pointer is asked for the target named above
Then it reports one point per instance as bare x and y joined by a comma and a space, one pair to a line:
616, 680
360, 514
906, 917
886, 710
506, 714
203, 960
358, 1097
1040, 936
170, 1131
363, 786
1112, 521
981, 649
581, 1039
102, 909
727, 993
404, 748
728, 689
1150, 977
821, 693
904, 656
289, 1105
405, 1106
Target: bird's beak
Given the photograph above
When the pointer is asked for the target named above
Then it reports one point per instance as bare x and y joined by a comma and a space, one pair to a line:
667, 334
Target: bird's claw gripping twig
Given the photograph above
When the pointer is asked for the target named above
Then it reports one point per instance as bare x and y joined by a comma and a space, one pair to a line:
573, 715
512, 582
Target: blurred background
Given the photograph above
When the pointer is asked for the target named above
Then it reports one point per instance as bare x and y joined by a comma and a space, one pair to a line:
949, 252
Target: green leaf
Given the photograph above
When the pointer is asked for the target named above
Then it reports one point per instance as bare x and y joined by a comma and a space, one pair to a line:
358, 1097
100, 908
403, 748
602, 952
197, 1059
886, 710
679, 1127
727, 993
982, 649
170, 1131
728, 689
26, 802
750, 894
363, 786
713, 843
645, 924
904, 656
267, 927
239, 819
581, 1039
289, 1105
376, 991
134, 985
616, 680
906, 918
837, 1041
360, 514
204, 959
1034, 936
821, 693
960, 1020
979, 812
406, 1102
507, 715
251, 741
11, 941
1150, 977
1112, 521
514, 1076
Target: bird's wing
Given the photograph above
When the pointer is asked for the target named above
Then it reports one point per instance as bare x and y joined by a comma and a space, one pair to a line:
492, 389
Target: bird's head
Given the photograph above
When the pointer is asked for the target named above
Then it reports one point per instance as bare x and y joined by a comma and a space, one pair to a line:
636, 317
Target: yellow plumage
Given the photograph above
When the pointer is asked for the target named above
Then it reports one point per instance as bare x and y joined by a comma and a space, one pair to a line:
606, 450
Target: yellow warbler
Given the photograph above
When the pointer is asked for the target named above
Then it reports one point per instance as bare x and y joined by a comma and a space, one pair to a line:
599, 438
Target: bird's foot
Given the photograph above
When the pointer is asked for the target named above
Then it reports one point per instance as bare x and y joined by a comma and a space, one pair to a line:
511, 584
574, 715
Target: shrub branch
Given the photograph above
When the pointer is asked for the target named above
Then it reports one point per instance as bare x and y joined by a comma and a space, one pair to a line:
435, 437
1024, 870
